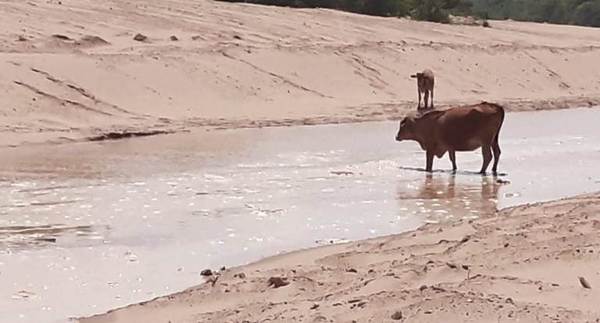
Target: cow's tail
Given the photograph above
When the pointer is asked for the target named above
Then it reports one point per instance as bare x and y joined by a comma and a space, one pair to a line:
501, 113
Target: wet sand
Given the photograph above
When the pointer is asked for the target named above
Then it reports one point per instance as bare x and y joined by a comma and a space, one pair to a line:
114, 223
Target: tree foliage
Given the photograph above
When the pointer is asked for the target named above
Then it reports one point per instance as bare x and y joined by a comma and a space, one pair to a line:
431, 10
438, 10
579, 12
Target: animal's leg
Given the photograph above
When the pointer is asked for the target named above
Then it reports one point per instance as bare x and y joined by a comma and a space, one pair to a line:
487, 158
429, 165
432, 97
496, 151
419, 93
452, 155
426, 99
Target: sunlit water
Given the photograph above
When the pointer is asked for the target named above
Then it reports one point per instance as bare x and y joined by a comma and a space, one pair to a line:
88, 227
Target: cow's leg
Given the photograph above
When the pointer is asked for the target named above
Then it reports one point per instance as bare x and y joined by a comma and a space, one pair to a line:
426, 99
452, 155
432, 97
429, 165
419, 93
487, 158
496, 151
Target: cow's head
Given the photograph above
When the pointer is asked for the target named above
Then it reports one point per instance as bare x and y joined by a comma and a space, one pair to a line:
420, 78
407, 129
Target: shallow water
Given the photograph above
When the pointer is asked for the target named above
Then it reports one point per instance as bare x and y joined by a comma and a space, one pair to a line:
88, 227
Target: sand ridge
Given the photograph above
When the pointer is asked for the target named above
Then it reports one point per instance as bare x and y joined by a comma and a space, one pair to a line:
72, 69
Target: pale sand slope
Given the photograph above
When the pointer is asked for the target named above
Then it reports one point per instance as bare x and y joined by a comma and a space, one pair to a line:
521, 264
238, 65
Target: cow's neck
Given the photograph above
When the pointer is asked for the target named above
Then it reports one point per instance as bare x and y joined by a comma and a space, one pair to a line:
427, 140
429, 145
424, 136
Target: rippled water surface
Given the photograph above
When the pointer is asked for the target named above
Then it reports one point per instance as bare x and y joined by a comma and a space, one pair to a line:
88, 227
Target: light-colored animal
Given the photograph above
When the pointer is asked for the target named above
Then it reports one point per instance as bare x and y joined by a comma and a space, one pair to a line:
463, 128
425, 83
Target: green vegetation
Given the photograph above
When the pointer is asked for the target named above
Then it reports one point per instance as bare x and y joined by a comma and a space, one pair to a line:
578, 12
430, 10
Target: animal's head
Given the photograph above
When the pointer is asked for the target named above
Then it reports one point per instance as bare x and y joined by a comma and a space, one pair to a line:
407, 129
420, 78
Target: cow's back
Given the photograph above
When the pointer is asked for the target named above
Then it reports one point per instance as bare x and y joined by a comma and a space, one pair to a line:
469, 127
428, 79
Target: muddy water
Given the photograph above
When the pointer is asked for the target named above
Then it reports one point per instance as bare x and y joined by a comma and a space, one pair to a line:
88, 227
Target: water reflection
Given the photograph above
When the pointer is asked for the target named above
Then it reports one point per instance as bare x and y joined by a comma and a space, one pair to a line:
445, 197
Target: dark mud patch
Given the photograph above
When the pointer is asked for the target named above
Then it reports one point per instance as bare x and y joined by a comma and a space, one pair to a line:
128, 134
90, 40
86, 41
61, 37
140, 37
28, 237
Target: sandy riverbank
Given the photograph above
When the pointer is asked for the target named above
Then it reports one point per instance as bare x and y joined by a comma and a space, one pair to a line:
72, 70
521, 264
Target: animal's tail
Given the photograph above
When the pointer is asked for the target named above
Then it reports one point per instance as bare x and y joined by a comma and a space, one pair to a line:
501, 112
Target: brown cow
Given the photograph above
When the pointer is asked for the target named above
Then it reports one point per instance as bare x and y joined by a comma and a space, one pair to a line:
425, 83
463, 128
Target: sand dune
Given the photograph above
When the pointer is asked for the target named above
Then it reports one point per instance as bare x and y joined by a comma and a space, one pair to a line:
519, 265
72, 69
